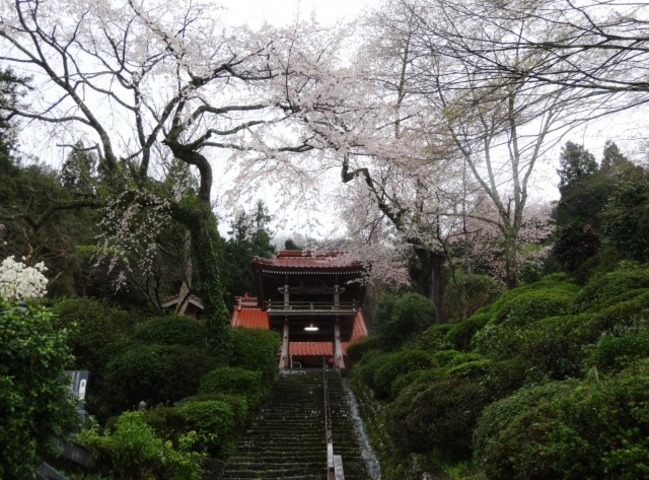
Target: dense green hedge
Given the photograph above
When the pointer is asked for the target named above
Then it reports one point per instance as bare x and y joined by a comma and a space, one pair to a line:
439, 416
380, 372
92, 325
213, 421
255, 349
569, 430
171, 330
235, 380
153, 374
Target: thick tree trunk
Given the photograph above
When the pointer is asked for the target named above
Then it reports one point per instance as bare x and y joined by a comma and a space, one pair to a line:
200, 222
430, 277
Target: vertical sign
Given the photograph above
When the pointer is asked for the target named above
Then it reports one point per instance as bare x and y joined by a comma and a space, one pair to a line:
78, 384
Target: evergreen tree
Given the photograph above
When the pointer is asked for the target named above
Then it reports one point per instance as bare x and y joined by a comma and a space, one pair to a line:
250, 237
576, 162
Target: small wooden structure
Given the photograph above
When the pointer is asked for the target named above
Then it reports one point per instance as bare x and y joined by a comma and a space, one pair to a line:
312, 299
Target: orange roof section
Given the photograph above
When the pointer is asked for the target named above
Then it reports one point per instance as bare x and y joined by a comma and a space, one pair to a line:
247, 314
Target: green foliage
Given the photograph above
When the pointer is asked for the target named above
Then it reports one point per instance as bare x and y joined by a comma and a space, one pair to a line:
213, 422
507, 428
255, 349
575, 243
360, 347
399, 319
621, 348
552, 295
171, 330
35, 406
604, 289
467, 293
249, 237
234, 380
93, 325
461, 333
438, 416
575, 430
626, 220
380, 372
133, 451
575, 162
153, 374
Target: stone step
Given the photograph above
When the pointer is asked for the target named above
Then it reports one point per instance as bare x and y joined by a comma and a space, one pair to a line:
286, 441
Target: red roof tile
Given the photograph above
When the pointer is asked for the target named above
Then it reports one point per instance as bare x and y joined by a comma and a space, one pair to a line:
296, 259
245, 315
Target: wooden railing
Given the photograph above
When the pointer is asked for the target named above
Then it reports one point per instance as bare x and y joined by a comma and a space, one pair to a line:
298, 307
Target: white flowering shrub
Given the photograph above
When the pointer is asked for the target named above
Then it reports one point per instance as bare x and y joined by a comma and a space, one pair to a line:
19, 281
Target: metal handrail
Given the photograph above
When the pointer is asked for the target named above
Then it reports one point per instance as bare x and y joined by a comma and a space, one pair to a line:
334, 462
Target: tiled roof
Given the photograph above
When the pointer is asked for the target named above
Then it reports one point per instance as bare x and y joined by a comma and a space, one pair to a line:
296, 259
246, 314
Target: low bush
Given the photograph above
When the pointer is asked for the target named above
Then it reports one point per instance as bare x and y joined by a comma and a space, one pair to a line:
213, 421
171, 330
615, 352
133, 451
552, 295
393, 365
356, 350
507, 430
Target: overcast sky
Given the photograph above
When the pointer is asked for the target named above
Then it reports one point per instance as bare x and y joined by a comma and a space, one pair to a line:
281, 12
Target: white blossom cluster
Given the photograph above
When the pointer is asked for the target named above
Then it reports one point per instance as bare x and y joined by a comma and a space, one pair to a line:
130, 226
19, 281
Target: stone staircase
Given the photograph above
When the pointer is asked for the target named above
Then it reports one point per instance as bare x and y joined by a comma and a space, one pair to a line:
286, 441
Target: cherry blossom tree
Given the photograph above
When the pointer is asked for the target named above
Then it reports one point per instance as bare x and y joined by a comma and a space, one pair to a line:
143, 79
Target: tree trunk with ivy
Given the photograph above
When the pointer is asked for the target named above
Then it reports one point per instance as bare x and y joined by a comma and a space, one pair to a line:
196, 215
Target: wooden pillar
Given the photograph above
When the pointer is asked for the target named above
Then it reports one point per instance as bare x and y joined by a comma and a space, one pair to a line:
283, 358
338, 348
287, 298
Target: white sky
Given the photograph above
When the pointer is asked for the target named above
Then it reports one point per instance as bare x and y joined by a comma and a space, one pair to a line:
282, 12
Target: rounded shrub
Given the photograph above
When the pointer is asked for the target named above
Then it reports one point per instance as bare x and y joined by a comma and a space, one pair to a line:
171, 330
93, 325
552, 295
605, 288
213, 421
440, 416
569, 430
153, 374
255, 349
612, 353
393, 365
507, 429
356, 350
234, 380
133, 451
460, 334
